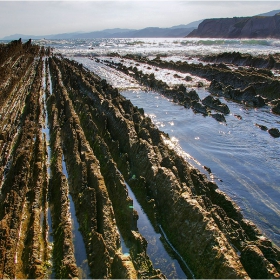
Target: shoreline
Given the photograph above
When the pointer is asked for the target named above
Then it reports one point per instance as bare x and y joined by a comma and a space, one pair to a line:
102, 134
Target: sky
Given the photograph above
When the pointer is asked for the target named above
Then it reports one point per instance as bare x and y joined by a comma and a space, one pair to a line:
54, 17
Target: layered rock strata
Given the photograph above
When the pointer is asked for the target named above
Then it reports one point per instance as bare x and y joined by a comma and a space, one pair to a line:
179, 93
94, 196
22, 242
198, 218
106, 142
255, 86
241, 59
263, 82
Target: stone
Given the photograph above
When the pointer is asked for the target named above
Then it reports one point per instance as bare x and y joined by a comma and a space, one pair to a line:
219, 117
199, 108
262, 127
188, 79
276, 107
192, 94
257, 266
274, 132
216, 104
238, 116
216, 87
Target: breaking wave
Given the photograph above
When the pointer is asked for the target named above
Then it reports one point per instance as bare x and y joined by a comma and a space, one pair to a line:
170, 46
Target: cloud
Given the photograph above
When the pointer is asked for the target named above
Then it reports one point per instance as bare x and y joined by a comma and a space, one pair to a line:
52, 17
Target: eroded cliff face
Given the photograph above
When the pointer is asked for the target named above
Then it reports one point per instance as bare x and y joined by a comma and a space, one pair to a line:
246, 27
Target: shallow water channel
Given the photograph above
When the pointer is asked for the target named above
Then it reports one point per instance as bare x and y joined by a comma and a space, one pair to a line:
46, 132
158, 254
79, 245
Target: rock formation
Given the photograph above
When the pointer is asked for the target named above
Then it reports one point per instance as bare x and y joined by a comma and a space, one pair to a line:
244, 27
105, 142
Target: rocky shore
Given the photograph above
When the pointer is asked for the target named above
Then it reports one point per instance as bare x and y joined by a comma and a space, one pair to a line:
241, 78
107, 142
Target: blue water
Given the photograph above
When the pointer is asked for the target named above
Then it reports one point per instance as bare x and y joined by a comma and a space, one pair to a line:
46, 132
78, 241
155, 249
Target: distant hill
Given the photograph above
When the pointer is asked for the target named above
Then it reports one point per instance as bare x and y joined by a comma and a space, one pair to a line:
270, 14
22, 36
239, 27
156, 32
149, 32
191, 24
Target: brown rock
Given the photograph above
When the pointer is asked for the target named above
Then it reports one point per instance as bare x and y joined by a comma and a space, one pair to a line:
256, 264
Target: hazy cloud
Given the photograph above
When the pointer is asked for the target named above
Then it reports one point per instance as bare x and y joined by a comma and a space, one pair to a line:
52, 17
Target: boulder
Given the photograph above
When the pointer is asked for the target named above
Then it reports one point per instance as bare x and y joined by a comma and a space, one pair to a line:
219, 117
256, 265
187, 102
216, 104
192, 94
276, 107
188, 78
216, 88
262, 127
258, 101
247, 96
238, 116
274, 132
179, 96
199, 108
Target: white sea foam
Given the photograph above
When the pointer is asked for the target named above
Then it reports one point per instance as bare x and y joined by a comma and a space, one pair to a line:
169, 46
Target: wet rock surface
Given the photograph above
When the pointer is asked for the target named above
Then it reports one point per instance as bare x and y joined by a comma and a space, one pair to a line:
274, 132
105, 142
143, 161
254, 86
240, 59
259, 77
179, 93
216, 104
275, 108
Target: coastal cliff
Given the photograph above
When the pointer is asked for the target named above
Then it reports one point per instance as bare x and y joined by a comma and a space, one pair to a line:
239, 27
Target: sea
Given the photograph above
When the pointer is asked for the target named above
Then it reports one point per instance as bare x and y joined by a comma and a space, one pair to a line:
244, 160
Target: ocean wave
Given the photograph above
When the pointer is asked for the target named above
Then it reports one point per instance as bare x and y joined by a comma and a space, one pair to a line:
237, 42
170, 46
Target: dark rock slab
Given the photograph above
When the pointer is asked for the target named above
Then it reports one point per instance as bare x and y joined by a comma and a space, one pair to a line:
216, 104
274, 132
276, 106
262, 127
